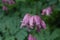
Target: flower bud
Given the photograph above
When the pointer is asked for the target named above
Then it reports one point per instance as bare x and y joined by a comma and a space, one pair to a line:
30, 37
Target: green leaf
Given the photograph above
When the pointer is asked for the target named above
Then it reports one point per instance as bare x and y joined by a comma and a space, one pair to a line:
57, 8
0, 38
41, 35
43, 0
20, 0
55, 34
2, 27
21, 35
51, 2
1, 5
1, 13
13, 24
9, 38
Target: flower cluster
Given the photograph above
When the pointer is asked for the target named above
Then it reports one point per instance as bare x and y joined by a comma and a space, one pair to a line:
9, 2
47, 11
33, 21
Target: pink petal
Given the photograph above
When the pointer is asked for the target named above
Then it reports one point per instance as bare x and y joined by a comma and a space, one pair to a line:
43, 12
37, 20
31, 22
5, 8
30, 37
48, 11
3, 1
43, 24
25, 20
11, 2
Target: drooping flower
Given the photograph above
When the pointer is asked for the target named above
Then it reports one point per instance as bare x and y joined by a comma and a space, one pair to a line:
38, 22
4, 8
47, 11
25, 21
8, 2
30, 37
3, 1
43, 12
34, 21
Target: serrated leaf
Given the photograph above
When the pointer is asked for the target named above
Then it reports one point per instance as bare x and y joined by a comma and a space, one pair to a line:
21, 35
55, 34
41, 35
2, 27
9, 38
13, 24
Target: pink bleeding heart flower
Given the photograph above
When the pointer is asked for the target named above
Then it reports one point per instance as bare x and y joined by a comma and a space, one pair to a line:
11, 2
25, 21
4, 1
43, 24
4, 8
31, 22
43, 12
30, 37
47, 11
